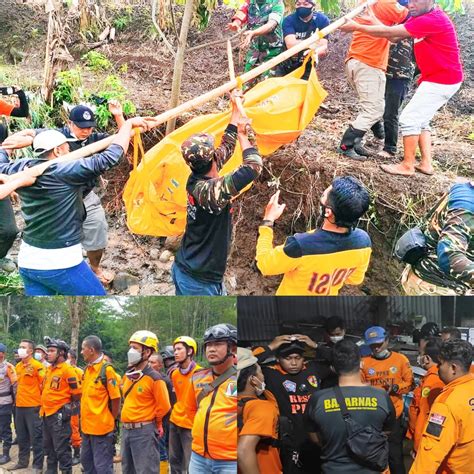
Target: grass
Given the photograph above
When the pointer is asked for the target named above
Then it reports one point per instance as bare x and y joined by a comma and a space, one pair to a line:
10, 284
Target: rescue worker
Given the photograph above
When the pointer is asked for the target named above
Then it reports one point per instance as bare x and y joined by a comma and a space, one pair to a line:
181, 423
257, 415
80, 131
212, 401
59, 401
391, 371
201, 260
8, 227
429, 388
448, 267
334, 331
263, 36
297, 27
100, 407
321, 261
8, 386
447, 443
28, 424
41, 355
76, 432
449, 333
427, 331
368, 406
292, 381
167, 354
145, 404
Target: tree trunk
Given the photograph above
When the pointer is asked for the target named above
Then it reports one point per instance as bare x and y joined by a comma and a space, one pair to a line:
76, 313
179, 61
6, 309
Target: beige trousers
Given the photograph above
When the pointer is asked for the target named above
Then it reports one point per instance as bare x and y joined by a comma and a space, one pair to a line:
369, 83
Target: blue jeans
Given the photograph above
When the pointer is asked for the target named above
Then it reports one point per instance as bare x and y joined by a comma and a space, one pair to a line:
187, 285
202, 465
75, 281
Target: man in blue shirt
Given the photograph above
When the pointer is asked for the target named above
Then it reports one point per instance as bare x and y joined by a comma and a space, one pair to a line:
297, 27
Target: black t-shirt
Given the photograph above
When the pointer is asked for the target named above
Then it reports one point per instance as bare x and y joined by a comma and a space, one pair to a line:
366, 405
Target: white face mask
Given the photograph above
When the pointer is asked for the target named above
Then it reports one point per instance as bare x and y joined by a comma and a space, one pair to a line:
335, 339
260, 390
38, 356
134, 357
22, 353
382, 354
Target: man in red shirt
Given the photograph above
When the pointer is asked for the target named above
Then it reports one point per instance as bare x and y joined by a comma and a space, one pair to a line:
438, 58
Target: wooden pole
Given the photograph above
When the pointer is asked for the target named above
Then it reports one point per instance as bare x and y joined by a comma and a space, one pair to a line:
214, 93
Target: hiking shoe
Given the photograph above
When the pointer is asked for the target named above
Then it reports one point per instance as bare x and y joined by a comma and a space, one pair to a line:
4, 459
18, 466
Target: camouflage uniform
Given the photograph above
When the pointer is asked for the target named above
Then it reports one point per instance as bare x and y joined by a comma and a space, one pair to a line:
262, 48
449, 266
400, 70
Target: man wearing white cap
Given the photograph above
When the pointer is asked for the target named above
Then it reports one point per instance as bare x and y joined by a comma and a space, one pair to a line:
50, 257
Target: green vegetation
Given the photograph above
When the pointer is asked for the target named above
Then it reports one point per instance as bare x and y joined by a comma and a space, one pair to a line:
123, 18
96, 61
113, 319
10, 284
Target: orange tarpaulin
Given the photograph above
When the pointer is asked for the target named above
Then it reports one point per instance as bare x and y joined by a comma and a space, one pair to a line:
155, 194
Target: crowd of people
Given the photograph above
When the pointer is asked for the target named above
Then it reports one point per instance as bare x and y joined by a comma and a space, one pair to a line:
167, 412
64, 216
342, 406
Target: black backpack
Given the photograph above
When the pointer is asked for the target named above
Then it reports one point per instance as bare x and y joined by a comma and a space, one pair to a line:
366, 444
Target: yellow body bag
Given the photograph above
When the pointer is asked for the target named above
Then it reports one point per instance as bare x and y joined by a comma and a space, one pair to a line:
155, 194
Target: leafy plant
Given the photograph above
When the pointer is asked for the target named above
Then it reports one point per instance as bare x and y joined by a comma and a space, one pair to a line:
10, 284
68, 87
96, 61
123, 19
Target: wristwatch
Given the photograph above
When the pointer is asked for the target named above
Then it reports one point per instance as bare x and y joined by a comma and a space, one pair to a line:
267, 223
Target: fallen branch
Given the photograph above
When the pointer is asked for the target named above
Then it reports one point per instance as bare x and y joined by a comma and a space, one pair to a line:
157, 26
212, 43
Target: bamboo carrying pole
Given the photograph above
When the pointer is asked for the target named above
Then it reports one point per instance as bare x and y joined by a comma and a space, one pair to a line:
218, 91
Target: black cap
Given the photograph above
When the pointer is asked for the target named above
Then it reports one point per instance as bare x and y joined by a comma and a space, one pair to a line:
82, 116
293, 347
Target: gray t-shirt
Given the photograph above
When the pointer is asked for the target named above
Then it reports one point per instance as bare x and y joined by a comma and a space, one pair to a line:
366, 405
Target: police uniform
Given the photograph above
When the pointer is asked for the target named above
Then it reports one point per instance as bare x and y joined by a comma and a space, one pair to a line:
8, 382
59, 386
447, 444
292, 393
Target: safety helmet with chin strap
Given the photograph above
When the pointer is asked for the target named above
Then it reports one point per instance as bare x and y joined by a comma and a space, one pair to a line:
187, 341
145, 338
222, 332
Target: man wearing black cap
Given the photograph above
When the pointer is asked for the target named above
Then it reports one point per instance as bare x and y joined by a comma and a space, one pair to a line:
80, 132
292, 381
201, 260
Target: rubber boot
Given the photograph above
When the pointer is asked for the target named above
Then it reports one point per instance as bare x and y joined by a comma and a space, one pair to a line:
76, 456
350, 140
164, 467
378, 130
6, 456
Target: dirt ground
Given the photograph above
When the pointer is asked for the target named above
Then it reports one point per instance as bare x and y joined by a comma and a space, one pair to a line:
304, 168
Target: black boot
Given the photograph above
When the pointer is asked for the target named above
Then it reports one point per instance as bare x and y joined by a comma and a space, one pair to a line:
378, 130
6, 456
350, 144
76, 456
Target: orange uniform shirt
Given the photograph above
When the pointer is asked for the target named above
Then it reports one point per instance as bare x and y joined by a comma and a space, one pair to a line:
96, 418
395, 370
59, 386
260, 418
369, 49
147, 400
430, 387
447, 444
181, 383
215, 420
30, 379
6, 108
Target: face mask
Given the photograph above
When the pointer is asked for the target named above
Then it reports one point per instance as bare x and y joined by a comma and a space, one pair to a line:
134, 357
304, 12
259, 391
22, 353
335, 339
37, 356
382, 354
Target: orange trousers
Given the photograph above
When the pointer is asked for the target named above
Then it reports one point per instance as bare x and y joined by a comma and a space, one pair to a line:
76, 433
